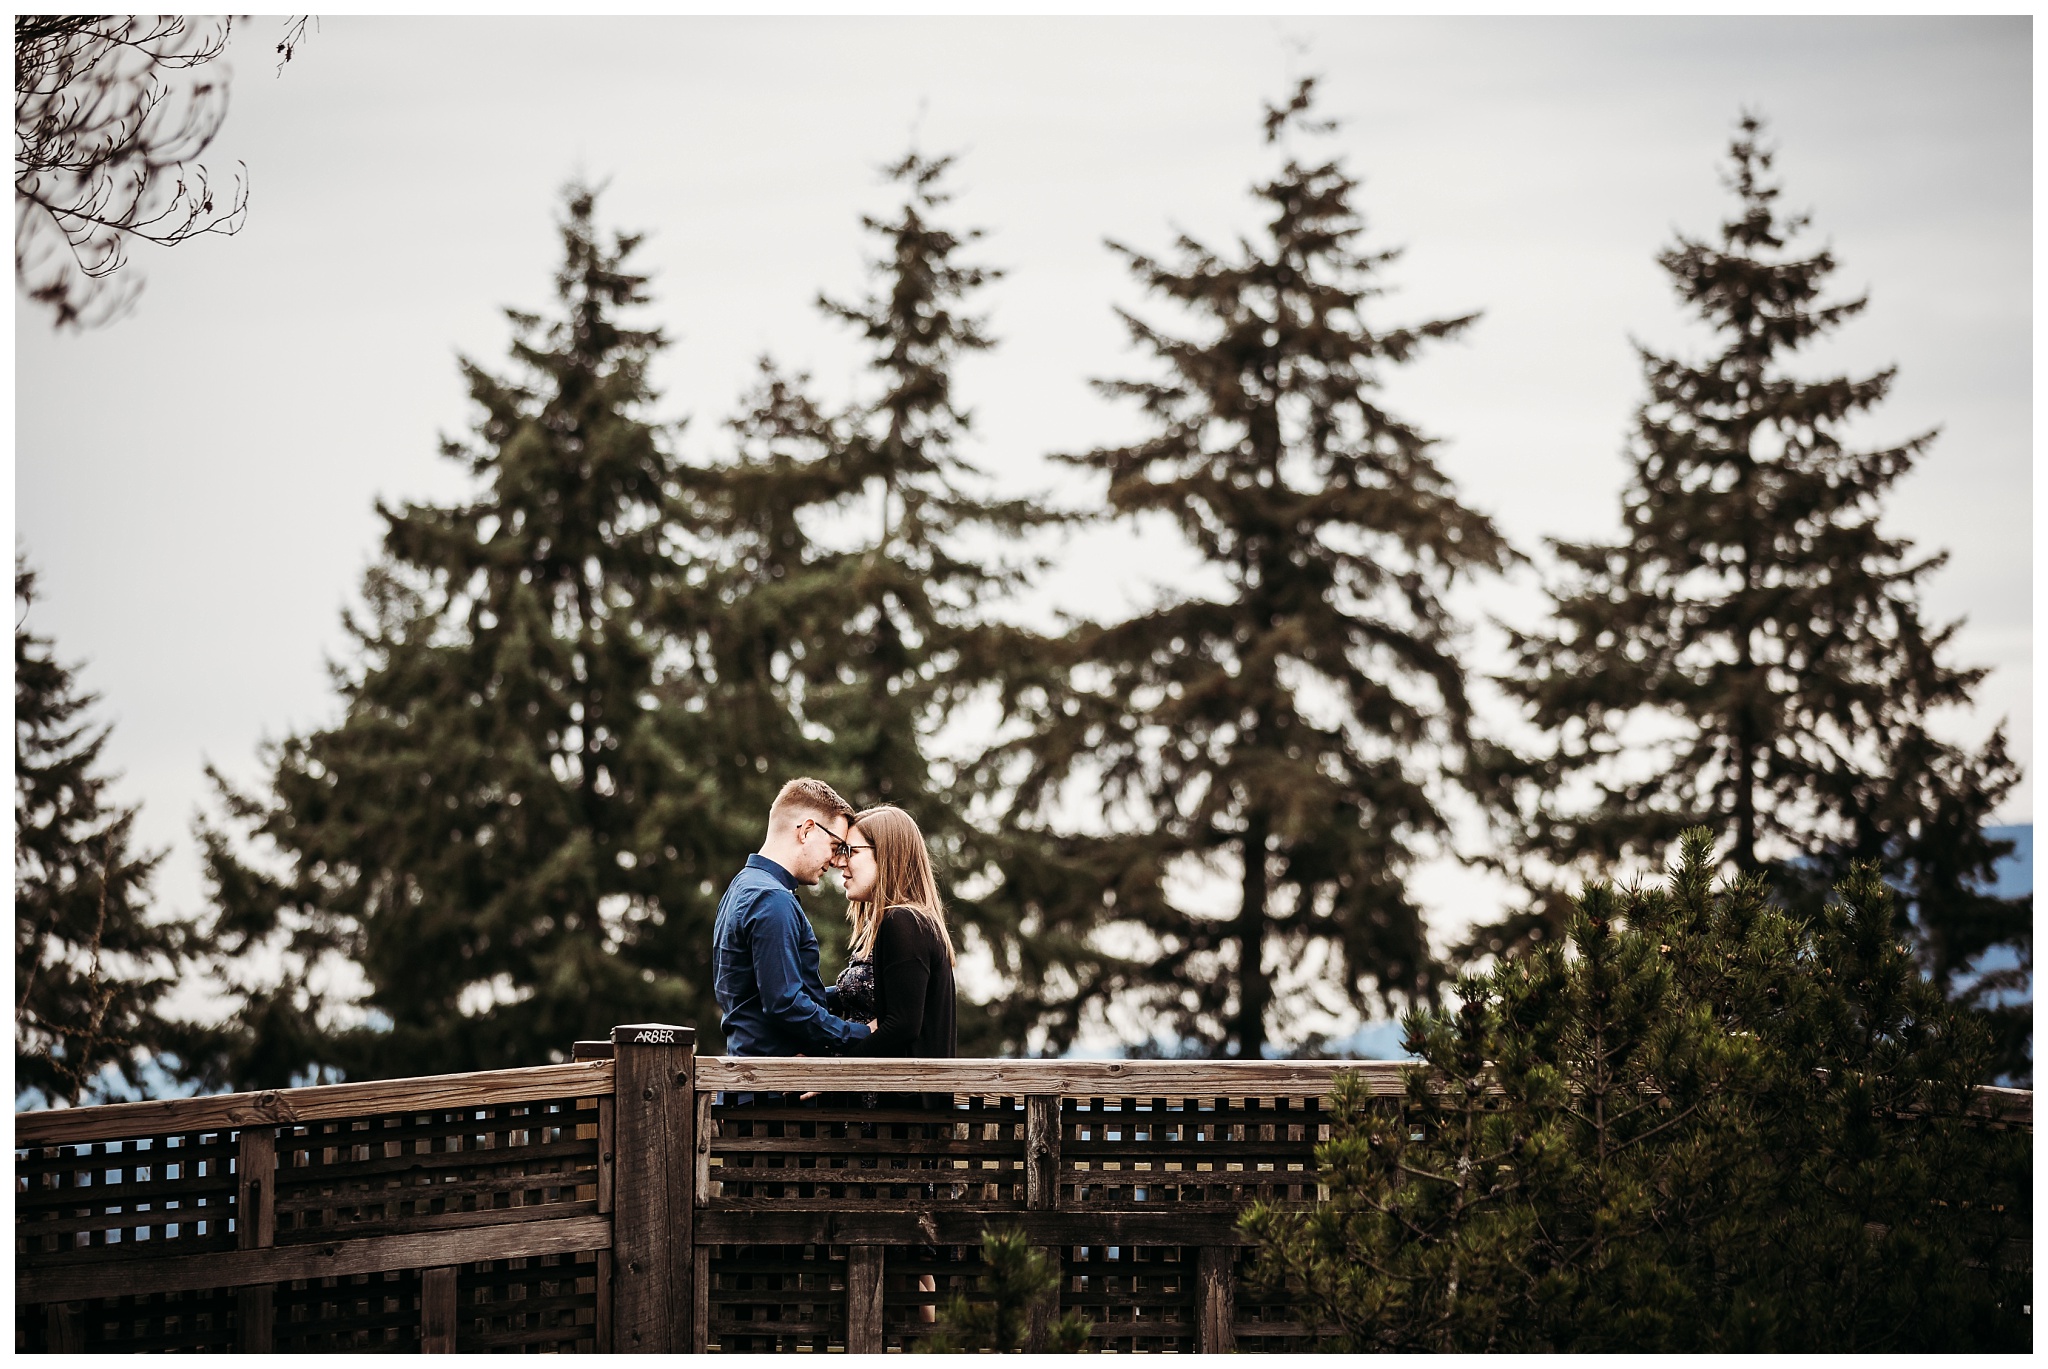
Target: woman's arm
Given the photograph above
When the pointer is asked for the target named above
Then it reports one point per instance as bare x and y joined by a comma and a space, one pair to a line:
903, 973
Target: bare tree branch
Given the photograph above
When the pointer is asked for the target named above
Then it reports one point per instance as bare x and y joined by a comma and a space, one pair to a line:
111, 113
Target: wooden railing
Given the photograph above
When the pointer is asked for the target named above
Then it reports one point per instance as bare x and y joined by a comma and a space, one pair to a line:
643, 1199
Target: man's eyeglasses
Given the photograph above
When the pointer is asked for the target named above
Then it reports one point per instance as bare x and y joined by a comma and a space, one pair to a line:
841, 848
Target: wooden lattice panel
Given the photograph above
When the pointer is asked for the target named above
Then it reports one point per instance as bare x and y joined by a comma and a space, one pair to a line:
1216, 1153
152, 1195
548, 1304
768, 1298
1140, 1298
203, 1321
910, 1310
1272, 1326
366, 1312
838, 1158
466, 1167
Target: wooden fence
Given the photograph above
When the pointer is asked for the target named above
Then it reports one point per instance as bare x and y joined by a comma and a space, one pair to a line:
643, 1199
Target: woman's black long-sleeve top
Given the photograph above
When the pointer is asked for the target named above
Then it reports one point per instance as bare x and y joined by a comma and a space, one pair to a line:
913, 990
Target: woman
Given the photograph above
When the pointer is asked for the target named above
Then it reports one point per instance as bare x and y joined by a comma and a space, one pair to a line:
900, 966
900, 971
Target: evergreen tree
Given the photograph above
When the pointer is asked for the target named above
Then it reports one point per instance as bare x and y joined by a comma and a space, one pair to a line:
764, 594
505, 830
856, 576
1288, 728
1755, 611
91, 965
1016, 1282
1713, 1126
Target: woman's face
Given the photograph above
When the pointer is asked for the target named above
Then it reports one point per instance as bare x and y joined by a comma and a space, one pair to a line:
861, 870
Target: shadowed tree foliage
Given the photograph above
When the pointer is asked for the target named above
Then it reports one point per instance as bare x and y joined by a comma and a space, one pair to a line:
1015, 1281
1755, 613
1286, 730
1718, 1126
91, 967
505, 831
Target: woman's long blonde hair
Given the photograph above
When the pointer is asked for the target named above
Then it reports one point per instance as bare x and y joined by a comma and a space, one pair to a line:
903, 878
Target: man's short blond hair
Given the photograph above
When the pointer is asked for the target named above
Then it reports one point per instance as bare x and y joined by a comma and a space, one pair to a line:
806, 797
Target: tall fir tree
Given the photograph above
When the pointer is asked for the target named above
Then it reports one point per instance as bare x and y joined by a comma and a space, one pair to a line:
1755, 610
506, 830
863, 549
1286, 730
92, 965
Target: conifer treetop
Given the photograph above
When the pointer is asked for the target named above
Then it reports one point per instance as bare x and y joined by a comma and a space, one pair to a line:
1300, 723
1754, 611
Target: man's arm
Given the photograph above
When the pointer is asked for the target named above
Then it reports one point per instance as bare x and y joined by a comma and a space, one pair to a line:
797, 1015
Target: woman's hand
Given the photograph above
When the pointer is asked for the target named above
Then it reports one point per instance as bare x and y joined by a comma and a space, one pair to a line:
871, 1027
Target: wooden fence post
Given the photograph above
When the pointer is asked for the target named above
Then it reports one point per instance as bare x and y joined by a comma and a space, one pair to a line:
864, 1334
1215, 1300
255, 1229
1042, 1194
438, 1310
653, 1211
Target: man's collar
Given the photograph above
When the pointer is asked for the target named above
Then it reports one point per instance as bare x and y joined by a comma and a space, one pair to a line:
757, 861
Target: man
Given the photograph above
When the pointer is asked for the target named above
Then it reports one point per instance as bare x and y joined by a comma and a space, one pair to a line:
765, 953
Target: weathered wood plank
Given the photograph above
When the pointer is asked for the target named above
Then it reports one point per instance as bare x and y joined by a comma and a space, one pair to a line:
437, 1310
842, 1115
1077, 1152
607, 1142
604, 1301
700, 1302
284, 1107
2015, 1107
343, 1195
910, 1173
963, 1226
814, 1204
700, 1184
182, 1212
324, 1260
1042, 1194
1215, 1300
426, 1164
1168, 1078
64, 1325
653, 1114
864, 1300
1042, 1152
348, 1228
42, 1199
867, 1147
254, 1230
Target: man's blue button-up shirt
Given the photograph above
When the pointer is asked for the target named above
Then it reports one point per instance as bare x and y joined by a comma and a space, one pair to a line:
766, 970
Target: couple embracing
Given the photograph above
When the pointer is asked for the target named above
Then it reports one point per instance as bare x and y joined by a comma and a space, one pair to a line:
895, 996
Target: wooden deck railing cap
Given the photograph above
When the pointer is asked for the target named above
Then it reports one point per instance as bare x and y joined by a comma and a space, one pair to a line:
285, 1107
1104, 1078
654, 1034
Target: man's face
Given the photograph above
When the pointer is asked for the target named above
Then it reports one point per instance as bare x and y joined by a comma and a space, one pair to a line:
818, 840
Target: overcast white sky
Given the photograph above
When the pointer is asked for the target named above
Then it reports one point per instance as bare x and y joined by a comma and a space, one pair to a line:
195, 482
